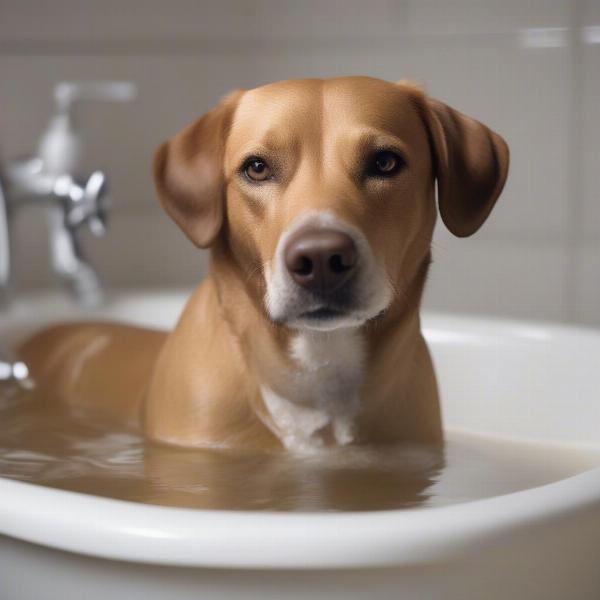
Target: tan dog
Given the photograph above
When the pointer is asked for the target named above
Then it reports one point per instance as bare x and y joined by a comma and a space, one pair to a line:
317, 200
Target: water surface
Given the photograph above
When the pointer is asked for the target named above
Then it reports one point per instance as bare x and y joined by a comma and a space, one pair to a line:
73, 450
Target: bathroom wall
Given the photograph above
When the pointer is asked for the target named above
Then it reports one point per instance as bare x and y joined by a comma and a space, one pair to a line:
529, 69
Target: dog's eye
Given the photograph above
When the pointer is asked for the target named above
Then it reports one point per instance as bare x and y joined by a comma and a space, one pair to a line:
385, 163
256, 169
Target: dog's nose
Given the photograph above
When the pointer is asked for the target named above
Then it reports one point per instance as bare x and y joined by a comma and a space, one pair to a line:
320, 259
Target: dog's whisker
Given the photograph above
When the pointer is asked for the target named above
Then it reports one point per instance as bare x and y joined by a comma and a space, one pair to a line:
253, 271
391, 283
400, 289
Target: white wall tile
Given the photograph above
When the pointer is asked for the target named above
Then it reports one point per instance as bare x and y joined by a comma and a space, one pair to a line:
182, 23
522, 93
589, 170
329, 18
185, 54
591, 12
130, 21
147, 249
141, 248
587, 303
467, 17
173, 91
512, 278
30, 249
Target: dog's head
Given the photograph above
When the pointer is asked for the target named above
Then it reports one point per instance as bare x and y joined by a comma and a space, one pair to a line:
323, 190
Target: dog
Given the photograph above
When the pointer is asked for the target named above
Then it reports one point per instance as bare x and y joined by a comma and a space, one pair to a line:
317, 200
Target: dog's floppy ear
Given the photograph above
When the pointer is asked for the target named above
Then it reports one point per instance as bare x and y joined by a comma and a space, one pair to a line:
471, 165
188, 173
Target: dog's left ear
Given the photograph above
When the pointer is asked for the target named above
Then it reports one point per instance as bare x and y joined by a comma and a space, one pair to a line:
471, 165
188, 173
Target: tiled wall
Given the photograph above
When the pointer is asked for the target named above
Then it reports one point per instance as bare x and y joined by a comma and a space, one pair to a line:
529, 69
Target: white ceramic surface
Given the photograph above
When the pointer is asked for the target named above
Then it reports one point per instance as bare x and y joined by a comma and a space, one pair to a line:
529, 381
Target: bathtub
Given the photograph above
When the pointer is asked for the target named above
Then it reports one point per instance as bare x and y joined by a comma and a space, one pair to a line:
510, 379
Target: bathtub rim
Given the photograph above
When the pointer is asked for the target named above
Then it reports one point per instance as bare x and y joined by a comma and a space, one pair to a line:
135, 532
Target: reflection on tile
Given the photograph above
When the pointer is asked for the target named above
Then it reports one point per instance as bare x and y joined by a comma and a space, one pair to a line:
544, 37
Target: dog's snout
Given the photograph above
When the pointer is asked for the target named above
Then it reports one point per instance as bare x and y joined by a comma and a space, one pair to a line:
320, 259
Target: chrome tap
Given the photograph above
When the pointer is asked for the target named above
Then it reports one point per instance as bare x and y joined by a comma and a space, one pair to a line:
50, 179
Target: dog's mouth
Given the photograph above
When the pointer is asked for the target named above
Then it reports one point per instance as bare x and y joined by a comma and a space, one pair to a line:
346, 307
324, 313
326, 317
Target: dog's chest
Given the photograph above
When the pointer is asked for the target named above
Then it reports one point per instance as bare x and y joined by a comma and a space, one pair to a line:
322, 389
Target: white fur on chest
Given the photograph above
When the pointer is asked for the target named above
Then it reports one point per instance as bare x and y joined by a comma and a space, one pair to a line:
322, 389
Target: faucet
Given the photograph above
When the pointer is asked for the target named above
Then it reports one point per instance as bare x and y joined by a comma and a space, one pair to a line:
50, 179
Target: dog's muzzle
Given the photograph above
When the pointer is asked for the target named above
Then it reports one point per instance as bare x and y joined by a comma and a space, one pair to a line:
324, 276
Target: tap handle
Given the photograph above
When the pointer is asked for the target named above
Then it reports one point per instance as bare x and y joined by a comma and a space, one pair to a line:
85, 204
97, 198
67, 92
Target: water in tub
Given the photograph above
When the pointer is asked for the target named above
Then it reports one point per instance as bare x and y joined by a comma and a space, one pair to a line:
72, 450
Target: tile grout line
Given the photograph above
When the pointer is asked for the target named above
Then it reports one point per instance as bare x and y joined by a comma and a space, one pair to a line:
172, 45
573, 229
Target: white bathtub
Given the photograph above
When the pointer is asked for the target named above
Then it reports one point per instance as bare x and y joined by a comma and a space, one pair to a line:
508, 379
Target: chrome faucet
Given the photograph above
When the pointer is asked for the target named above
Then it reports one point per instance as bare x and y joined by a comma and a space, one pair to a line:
50, 179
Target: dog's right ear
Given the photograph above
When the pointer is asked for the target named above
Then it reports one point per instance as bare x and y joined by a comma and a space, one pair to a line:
188, 173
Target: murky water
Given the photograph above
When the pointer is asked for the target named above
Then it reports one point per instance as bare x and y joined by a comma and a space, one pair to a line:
61, 448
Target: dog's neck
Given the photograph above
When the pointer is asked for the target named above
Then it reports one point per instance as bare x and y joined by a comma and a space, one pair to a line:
316, 394
311, 385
